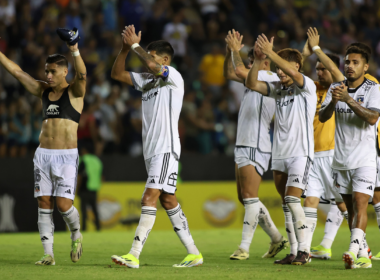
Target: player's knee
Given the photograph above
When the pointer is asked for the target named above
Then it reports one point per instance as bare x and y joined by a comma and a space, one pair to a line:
64, 205
148, 200
45, 203
168, 202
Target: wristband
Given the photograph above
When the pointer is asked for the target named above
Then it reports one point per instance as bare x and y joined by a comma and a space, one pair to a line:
76, 53
315, 48
135, 45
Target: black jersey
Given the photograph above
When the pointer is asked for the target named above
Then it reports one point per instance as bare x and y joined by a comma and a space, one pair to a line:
60, 109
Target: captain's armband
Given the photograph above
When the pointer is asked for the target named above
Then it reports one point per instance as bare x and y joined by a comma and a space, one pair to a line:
164, 71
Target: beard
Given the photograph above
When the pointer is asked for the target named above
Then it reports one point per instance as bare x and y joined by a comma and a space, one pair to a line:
352, 79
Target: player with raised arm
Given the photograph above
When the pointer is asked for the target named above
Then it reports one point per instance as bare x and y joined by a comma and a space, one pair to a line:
162, 94
293, 143
253, 149
56, 158
356, 103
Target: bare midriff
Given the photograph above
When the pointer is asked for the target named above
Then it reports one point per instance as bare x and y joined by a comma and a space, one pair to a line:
58, 134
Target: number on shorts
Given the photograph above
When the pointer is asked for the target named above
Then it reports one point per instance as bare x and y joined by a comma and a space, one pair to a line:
37, 176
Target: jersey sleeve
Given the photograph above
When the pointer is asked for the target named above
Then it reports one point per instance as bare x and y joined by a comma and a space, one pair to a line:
173, 78
139, 80
309, 88
273, 88
373, 101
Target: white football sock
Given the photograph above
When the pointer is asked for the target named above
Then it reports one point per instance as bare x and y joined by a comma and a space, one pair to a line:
290, 230
377, 211
311, 223
252, 210
345, 215
357, 236
299, 223
266, 223
147, 218
363, 248
181, 228
46, 229
333, 221
71, 217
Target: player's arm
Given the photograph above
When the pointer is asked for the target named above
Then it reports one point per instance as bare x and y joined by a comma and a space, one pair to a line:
146, 59
366, 114
266, 47
252, 81
33, 86
233, 64
313, 41
118, 70
79, 84
328, 106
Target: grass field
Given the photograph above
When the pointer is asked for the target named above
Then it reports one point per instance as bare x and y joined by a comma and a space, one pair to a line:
163, 249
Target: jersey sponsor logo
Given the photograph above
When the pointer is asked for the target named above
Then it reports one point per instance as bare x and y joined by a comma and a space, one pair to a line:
360, 100
149, 96
285, 103
152, 181
52, 110
369, 188
296, 181
344, 110
365, 181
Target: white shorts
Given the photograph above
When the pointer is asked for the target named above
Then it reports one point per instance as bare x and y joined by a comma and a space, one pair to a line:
297, 169
55, 172
360, 180
321, 182
162, 173
251, 156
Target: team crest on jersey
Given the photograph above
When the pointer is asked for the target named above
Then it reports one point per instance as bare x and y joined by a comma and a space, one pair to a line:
37, 188
290, 92
360, 100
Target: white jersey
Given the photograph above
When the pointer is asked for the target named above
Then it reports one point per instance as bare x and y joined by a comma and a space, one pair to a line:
355, 139
161, 106
256, 113
293, 122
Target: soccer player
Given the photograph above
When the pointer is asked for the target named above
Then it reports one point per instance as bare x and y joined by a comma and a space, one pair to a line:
293, 143
253, 149
56, 158
162, 94
356, 103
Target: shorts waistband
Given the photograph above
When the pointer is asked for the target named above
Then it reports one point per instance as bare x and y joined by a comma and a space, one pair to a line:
57, 152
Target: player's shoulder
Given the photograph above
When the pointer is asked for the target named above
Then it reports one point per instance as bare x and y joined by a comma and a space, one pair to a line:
144, 75
174, 74
269, 76
371, 78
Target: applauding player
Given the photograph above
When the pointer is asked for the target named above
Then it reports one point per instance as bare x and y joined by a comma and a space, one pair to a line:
293, 143
253, 149
356, 103
162, 94
56, 158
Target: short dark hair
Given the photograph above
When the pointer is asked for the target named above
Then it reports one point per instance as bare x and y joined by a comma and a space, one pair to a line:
291, 55
334, 58
161, 47
58, 59
359, 48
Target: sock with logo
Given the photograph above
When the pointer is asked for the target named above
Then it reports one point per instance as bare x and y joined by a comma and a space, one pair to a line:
345, 215
333, 221
252, 209
299, 223
147, 218
377, 211
46, 229
181, 228
266, 223
290, 230
357, 236
311, 223
71, 217
363, 249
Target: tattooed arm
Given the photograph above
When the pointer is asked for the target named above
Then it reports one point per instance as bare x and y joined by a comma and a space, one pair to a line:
78, 87
228, 68
234, 45
148, 61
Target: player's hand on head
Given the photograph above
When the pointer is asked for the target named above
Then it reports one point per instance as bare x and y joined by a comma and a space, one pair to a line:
307, 51
313, 37
264, 44
258, 54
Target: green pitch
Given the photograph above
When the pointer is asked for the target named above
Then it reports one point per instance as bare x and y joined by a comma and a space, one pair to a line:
163, 249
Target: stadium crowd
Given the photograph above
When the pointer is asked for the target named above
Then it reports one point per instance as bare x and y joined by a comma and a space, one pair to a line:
111, 118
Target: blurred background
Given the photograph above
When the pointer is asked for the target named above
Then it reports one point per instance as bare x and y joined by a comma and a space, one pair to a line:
111, 118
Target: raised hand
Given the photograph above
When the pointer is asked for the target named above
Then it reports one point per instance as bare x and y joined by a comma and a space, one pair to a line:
264, 44
313, 37
130, 37
258, 53
307, 50
234, 40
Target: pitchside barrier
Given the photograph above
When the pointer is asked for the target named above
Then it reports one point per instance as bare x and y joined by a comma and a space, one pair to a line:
207, 205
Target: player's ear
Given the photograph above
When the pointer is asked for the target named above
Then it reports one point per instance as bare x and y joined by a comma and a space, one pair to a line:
65, 72
366, 66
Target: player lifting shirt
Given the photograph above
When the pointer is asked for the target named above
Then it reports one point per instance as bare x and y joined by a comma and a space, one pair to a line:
56, 158
293, 142
162, 94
